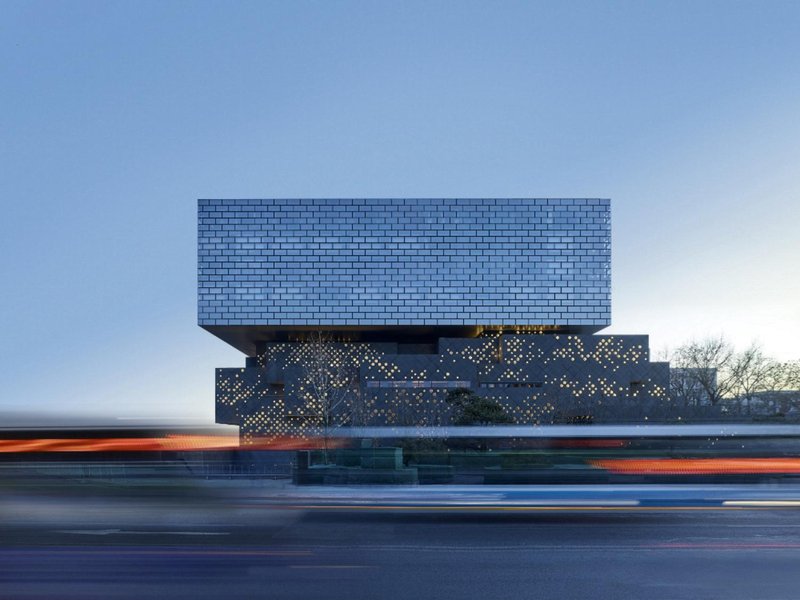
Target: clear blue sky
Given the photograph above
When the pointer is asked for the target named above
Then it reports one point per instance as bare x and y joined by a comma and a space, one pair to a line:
116, 116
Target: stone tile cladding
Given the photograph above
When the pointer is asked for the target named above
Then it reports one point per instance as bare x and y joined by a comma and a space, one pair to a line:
402, 261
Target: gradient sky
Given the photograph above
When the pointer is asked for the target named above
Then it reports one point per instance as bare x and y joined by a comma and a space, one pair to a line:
116, 116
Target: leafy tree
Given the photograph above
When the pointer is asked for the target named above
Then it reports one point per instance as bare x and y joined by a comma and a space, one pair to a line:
471, 409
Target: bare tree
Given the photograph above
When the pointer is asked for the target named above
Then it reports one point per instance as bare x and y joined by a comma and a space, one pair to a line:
330, 383
791, 382
784, 376
711, 369
684, 390
793, 375
708, 364
783, 379
753, 372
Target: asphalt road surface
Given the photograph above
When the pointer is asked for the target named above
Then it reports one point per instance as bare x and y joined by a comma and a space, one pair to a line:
211, 549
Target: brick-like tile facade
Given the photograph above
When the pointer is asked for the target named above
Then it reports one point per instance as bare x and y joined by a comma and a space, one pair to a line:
492, 261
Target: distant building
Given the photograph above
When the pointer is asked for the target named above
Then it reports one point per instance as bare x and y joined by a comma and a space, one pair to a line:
408, 299
686, 389
774, 403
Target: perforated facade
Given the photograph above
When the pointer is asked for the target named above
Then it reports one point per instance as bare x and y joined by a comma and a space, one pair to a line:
536, 379
415, 298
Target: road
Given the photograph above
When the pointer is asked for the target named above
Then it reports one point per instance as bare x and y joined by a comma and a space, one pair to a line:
190, 548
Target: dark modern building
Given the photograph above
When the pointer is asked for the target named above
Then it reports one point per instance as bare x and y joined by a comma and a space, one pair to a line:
392, 303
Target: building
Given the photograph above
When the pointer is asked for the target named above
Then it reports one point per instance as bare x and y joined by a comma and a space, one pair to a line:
689, 386
407, 299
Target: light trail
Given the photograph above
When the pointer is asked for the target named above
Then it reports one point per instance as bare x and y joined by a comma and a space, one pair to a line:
168, 443
698, 466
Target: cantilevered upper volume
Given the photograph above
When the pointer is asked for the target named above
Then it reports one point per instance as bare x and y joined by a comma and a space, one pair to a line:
410, 267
